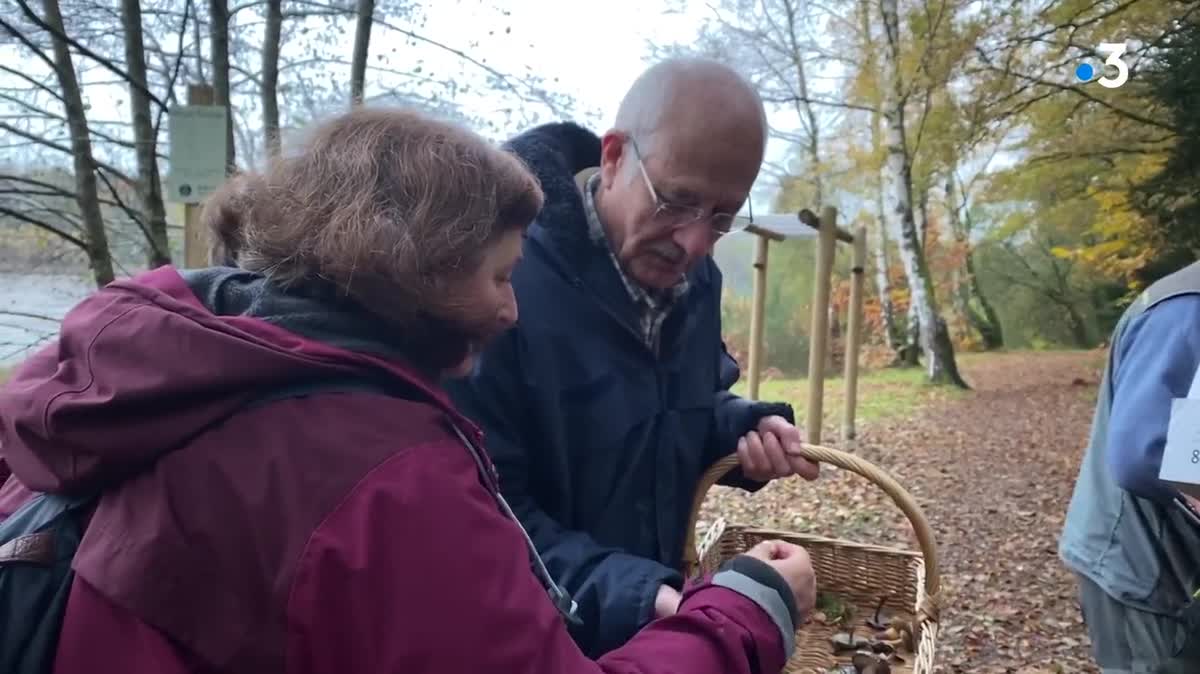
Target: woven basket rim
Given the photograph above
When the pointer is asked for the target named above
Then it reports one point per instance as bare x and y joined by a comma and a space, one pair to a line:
819, 538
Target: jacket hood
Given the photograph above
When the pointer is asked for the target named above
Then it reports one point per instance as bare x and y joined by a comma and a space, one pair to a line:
556, 153
146, 364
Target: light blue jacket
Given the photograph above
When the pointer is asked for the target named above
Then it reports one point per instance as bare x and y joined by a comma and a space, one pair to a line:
1123, 530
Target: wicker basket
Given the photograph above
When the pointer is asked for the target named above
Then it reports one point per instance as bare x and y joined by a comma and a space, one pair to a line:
863, 576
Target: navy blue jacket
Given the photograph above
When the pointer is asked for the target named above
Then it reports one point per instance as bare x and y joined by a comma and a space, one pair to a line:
599, 443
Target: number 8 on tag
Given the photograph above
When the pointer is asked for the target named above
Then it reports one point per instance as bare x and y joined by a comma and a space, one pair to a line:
1181, 456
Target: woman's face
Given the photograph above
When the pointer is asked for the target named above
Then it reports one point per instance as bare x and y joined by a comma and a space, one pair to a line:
488, 296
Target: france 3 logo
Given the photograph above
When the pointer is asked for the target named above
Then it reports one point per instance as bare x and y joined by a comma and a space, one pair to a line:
1085, 72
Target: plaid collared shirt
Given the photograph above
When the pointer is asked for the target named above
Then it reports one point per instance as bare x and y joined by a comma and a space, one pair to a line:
654, 305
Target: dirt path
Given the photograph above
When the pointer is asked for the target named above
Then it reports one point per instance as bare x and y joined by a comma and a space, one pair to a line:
993, 470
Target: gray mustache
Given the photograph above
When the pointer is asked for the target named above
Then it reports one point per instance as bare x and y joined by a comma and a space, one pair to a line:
670, 250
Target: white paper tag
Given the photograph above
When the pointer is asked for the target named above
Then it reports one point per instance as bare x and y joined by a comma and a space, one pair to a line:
1181, 456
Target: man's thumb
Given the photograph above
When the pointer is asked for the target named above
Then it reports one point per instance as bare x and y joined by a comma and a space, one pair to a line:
765, 550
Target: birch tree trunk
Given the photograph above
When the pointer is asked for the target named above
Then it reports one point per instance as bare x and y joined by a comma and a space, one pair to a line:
913, 342
882, 266
935, 339
270, 76
87, 195
910, 352
923, 213
879, 241
145, 142
882, 281
219, 44
804, 107
362, 47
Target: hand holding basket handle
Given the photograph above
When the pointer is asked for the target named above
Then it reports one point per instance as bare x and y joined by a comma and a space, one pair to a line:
842, 563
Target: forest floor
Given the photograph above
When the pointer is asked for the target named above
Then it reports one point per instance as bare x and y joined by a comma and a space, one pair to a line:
992, 469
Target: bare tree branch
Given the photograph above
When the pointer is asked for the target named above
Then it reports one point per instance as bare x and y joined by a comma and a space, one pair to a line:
174, 71
64, 149
40, 86
26, 314
20, 36
819, 101
107, 63
51, 190
121, 142
17, 215
1080, 92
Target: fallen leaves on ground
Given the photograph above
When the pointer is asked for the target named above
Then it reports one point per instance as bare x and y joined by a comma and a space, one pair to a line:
993, 471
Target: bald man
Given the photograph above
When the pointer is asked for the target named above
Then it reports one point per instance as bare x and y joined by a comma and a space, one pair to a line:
609, 399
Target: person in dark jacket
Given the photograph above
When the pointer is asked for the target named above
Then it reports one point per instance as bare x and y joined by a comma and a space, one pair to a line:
285, 487
610, 398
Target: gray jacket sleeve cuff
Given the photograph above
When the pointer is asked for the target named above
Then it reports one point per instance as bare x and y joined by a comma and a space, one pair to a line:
766, 597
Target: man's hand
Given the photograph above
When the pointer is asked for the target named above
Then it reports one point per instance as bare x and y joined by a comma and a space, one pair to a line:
793, 563
667, 601
772, 451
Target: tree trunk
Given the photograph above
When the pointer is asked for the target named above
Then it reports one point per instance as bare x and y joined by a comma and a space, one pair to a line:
362, 47
988, 324
935, 339
1079, 331
883, 285
966, 284
219, 44
145, 142
197, 41
883, 282
910, 351
916, 344
87, 196
270, 76
923, 212
804, 108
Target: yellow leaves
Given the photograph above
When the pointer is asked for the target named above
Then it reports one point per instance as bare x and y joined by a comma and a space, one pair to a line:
1149, 166
1113, 238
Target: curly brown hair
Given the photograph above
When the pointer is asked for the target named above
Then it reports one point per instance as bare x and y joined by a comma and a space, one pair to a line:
388, 205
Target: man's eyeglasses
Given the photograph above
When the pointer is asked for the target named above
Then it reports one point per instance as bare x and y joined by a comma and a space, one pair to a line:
682, 216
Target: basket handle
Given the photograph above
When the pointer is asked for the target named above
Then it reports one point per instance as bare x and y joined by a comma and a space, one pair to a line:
854, 464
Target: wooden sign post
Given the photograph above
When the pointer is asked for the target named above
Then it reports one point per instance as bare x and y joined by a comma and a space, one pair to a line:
819, 339
196, 134
765, 237
854, 330
828, 234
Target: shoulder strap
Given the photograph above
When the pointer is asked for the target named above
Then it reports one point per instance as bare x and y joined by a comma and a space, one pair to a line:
1183, 282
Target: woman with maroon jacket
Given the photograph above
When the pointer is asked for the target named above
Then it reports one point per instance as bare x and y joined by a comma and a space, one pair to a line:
285, 486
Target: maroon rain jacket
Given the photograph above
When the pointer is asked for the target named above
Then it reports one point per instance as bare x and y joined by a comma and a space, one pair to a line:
339, 533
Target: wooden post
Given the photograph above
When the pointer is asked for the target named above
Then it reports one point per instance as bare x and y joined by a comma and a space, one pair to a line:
819, 342
756, 312
854, 331
195, 239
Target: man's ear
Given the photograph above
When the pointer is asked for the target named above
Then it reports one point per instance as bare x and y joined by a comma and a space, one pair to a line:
612, 150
